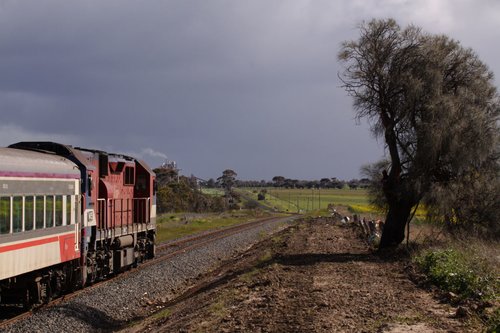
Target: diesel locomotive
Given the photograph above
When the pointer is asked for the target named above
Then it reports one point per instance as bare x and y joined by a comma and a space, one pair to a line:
70, 216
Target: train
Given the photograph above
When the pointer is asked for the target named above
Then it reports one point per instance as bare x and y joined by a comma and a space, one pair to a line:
69, 217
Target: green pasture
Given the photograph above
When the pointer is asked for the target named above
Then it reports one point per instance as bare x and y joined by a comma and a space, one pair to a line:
213, 191
271, 203
308, 200
316, 200
177, 225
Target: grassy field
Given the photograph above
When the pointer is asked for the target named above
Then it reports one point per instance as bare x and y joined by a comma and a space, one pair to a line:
177, 225
307, 200
213, 191
304, 200
315, 202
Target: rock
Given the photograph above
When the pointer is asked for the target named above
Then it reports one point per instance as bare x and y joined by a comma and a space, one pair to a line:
462, 312
324, 304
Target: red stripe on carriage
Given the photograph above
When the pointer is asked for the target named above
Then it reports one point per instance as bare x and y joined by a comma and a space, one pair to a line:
38, 175
67, 247
28, 244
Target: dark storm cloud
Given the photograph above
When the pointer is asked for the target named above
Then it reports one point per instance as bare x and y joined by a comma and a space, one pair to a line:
248, 85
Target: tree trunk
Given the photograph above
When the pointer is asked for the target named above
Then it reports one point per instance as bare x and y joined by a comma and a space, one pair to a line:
400, 200
395, 223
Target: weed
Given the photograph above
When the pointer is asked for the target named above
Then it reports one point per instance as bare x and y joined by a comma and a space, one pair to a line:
493, 322
277, 240
456, 271
265, 257
363, 209
218, 308
263, 234
247, 277
165, 313
409, 319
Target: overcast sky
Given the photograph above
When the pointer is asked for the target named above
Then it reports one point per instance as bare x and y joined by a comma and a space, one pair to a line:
211, 84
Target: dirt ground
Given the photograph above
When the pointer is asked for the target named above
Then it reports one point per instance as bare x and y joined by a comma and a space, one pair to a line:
318, 276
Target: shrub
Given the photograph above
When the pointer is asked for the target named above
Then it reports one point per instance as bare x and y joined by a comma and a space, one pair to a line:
461, 273
183, 197
251, 204
493, 322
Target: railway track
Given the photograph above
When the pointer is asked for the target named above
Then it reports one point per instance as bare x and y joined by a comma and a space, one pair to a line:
164, 251
185, 243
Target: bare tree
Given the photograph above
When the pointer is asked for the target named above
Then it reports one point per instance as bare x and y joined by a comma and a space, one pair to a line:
436, 107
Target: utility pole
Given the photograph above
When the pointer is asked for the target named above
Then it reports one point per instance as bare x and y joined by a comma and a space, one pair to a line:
312, 198
298, 208
319, 198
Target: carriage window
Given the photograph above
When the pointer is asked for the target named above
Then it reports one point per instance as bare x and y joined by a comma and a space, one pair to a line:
59, 210
17, 214
129, 176
40, 211
68, 209
49, 211
4, 215
28, 213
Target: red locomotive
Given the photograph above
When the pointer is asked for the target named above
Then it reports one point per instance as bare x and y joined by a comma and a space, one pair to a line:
70, 216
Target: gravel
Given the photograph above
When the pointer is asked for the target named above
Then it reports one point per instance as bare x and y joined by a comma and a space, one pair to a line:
112, 305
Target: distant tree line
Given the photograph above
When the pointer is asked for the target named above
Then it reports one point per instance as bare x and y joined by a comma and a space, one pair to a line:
177, 193
282, 182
